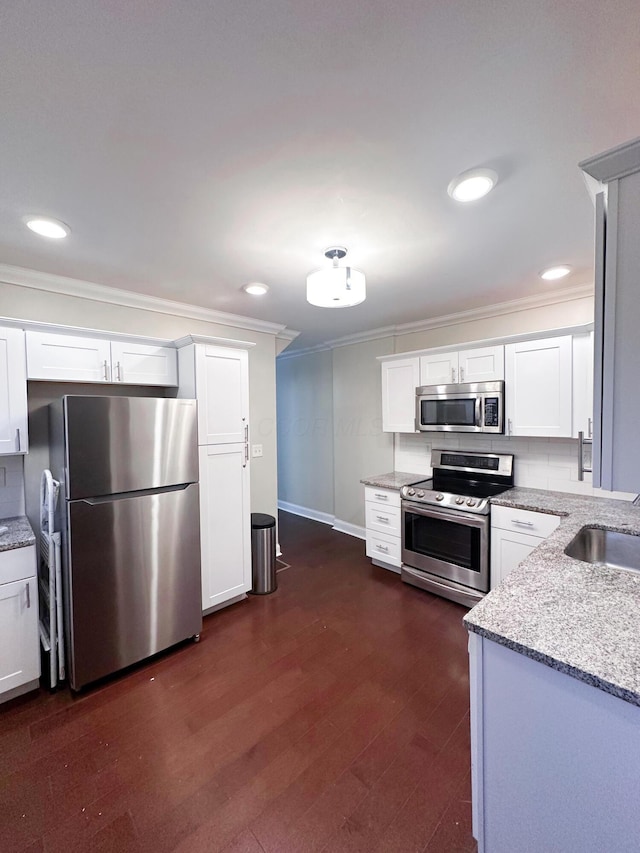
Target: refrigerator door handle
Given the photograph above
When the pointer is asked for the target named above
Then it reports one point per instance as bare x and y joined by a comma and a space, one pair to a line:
141, 493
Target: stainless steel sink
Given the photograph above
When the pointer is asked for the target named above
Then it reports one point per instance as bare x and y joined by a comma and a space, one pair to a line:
618, 550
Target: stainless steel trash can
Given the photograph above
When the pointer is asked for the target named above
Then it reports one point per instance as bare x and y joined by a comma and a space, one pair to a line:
263, 553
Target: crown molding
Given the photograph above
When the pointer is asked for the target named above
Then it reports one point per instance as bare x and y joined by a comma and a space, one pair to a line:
616, 163
499, 309
23, 277
207, 339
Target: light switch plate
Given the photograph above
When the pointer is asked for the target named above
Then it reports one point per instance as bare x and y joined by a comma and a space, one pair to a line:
256, 450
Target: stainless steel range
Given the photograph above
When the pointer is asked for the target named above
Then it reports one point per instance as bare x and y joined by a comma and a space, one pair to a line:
445, 523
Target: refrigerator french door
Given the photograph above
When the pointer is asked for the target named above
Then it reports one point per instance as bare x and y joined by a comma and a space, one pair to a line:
128, 468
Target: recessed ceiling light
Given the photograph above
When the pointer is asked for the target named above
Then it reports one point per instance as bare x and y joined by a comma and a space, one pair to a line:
472, 185
552, 273
255, 288
46, 227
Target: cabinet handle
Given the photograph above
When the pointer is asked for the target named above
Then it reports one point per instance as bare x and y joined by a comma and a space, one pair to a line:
105, 370
381, 496
119, 371
28, 591
246, 432
246, 455
509, 426
462, 374
383, 548
453, 374
382, 518
522, 523
19, 440
589, 428
581, 466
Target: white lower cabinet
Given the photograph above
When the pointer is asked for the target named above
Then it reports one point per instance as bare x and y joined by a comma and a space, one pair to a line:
515, 533
383, 530
19, 639
225, 523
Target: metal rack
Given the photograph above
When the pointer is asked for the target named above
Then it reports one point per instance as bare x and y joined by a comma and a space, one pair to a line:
50, 581
582, 442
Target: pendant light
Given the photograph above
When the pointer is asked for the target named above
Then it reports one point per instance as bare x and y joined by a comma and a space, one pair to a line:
335, 286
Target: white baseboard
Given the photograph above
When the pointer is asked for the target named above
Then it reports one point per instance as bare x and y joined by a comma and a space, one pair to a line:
350, 529
307, 512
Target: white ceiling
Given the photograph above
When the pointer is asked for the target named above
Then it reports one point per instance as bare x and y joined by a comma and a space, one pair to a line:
194, 146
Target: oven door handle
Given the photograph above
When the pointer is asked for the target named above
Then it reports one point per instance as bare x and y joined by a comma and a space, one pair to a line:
467, 519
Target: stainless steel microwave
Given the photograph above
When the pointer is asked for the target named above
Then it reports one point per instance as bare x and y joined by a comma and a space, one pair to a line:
465, 407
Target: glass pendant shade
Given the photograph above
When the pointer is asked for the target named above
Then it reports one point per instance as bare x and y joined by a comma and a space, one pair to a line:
336, 287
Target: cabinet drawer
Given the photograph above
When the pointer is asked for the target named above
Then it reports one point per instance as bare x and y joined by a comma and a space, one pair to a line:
383, 547
534, 523
17, 564
382, 519
389, 497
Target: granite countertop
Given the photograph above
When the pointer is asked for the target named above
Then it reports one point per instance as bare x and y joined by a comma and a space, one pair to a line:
579, 618
19, 534
394, 480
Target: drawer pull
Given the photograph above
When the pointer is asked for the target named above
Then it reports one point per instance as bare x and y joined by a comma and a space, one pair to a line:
383, 548
522, 523
381, 496
28, 590
382, 518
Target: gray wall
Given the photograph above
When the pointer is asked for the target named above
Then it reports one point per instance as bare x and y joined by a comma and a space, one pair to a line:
305, 431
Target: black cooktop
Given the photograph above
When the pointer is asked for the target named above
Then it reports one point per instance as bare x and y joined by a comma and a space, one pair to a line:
456, 486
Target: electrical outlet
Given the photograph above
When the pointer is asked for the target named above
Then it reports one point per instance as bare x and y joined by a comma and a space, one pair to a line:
256, 450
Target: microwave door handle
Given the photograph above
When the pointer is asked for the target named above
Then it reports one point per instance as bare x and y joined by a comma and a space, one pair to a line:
479, 413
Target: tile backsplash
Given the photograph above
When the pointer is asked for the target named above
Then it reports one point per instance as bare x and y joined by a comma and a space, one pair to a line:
540, 463
11, 486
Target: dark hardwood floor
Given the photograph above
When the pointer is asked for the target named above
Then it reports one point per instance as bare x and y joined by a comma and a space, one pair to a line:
330, 716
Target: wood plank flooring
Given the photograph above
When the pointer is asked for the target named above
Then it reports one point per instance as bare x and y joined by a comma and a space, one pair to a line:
329, 716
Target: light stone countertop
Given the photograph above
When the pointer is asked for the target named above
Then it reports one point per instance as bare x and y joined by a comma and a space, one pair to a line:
394, 480
19, 534
579, 618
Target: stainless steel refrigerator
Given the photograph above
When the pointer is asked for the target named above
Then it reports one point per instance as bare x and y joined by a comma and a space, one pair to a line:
128, 469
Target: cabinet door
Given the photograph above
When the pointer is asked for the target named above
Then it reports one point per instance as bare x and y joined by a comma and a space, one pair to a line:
439, 368
225, 523
538, 387
485, 364
19, 640
65, 358
508, 550
583, 385
13, 393
140, 364
400, 378
222, 390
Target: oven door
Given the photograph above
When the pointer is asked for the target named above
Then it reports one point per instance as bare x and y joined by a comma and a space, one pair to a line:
448, 544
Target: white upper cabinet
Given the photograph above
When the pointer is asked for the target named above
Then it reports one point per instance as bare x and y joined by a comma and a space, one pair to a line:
583, 385
13, 393
400, 378
69, 358
539, 387
141, 364
481, 364
222, 391
484, 364
439, 368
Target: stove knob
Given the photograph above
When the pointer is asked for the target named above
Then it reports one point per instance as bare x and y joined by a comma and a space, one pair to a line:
420, 494
471, 502
411, 492
459, 500
439, 496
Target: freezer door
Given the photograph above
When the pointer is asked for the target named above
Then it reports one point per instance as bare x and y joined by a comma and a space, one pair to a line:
123, 444
133, 579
